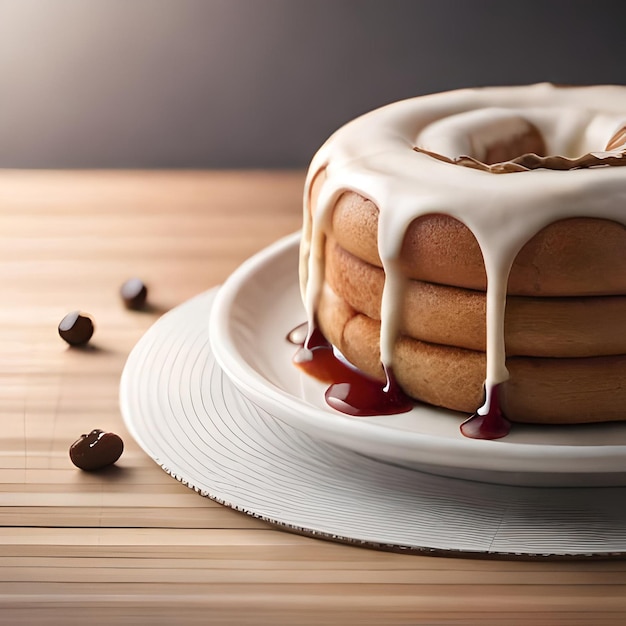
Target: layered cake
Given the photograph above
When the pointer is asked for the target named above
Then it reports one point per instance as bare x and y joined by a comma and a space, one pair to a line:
469, 250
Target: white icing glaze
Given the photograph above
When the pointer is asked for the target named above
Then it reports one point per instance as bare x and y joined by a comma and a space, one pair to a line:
472, 133
373, 155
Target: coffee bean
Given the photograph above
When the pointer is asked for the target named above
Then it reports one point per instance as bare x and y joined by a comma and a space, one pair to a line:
76, 328
134, 294
96, 450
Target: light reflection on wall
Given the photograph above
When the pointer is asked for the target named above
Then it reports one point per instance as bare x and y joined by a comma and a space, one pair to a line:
260, 83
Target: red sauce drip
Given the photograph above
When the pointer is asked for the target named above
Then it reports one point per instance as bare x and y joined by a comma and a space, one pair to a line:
355, 393
367, 396
492, 425
350, 391
317, 358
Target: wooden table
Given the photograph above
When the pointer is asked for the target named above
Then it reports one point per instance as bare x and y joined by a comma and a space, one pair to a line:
130, 545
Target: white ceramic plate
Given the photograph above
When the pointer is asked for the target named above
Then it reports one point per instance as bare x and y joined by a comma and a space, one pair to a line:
260, 303
192, 420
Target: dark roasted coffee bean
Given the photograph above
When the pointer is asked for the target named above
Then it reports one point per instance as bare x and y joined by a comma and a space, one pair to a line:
76, 328
134, 294
96, 450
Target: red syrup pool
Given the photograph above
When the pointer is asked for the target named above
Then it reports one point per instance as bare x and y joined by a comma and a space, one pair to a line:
350, 391
354, 393
492, 425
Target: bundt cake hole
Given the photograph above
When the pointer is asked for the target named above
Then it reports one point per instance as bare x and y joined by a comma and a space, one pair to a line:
510, 148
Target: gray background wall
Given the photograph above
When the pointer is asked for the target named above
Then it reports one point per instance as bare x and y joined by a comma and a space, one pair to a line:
261, 83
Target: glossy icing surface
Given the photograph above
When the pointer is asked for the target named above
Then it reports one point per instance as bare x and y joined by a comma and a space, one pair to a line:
374, 156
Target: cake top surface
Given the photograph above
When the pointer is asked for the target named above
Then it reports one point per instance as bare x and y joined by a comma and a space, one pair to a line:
375, 155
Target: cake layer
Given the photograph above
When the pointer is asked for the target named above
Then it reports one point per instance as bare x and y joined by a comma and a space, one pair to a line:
573, 257
539, 390
545, 327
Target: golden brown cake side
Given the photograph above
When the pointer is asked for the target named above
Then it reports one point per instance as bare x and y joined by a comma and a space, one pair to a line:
453, 316
539, 390
572, 257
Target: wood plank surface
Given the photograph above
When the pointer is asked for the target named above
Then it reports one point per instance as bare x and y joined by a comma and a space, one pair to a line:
130, 545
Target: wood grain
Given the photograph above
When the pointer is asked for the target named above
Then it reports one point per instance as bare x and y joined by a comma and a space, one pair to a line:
130, 545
